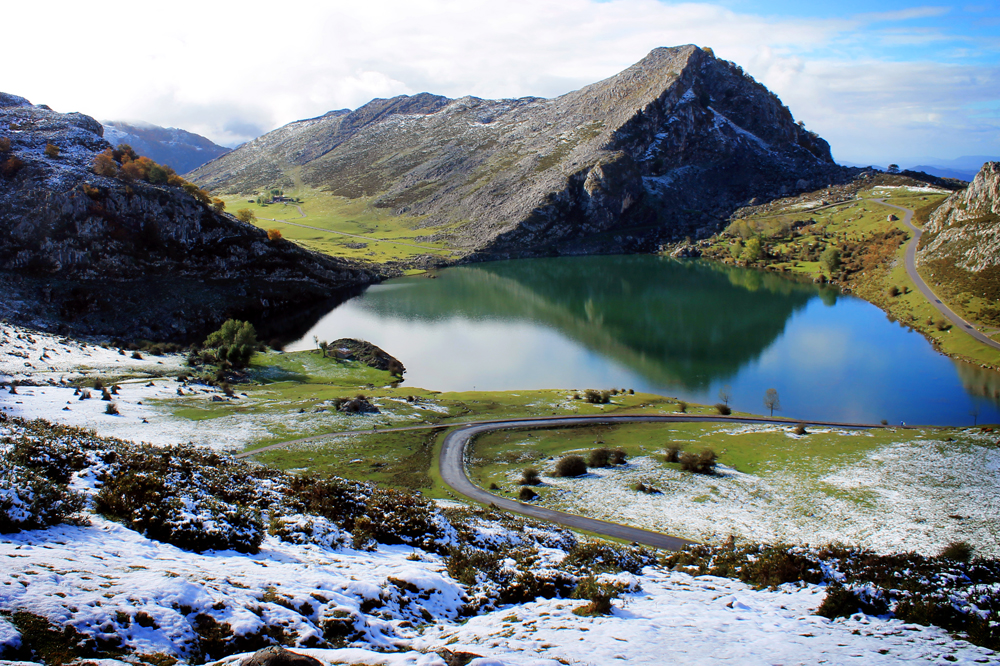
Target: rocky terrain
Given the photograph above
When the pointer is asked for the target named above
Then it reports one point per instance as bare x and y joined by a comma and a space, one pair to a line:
667, 148
182, 150
119, 255
964, 228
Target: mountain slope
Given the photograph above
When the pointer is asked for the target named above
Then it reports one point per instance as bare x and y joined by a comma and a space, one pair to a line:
663, 149
180, 149
964, 228
118, 255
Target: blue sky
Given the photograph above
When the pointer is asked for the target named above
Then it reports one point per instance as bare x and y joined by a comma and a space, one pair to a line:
881, 81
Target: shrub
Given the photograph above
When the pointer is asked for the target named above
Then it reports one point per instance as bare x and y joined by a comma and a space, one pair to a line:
111, 409
29, 500
800, 429
723, 409
188, 518
104, 164
571, 466
4, 144
959, 551
682, 407
529, 477
245, 215
11, 166
618, 457
672, 455
702, 463
942, 325
136, 355
599, 457
51, 150
893, 291
274, 235
596, 397
599, 595
647, 488
527, 494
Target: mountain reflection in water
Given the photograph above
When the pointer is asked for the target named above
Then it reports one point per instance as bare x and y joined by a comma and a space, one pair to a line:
679, 328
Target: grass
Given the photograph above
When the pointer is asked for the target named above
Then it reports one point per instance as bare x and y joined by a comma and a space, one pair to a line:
498, 457
376, 234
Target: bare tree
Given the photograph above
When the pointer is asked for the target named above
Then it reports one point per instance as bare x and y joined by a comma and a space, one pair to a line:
725, 394
974, 413
772, 401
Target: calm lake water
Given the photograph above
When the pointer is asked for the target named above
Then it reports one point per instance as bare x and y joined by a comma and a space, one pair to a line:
676, 328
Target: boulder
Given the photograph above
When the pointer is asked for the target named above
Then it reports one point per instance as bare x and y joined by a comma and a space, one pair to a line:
279, 656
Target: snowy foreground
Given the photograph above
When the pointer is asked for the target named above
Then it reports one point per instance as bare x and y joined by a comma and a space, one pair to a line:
85, 575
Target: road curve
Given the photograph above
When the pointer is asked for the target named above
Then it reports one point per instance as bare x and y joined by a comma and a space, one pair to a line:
452, 466
911, 270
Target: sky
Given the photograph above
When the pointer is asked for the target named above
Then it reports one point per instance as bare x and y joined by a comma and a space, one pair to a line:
881, 81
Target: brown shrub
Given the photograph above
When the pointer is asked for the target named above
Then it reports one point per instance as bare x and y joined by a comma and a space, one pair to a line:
274, 235
599, 457
51, 150
529, 477
11, 166
104, 164
527, 494
682, 407
723, 409
571, 466
618, 457
702, 463
672, 455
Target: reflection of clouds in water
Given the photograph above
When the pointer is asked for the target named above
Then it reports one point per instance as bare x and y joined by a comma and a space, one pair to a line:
458, 353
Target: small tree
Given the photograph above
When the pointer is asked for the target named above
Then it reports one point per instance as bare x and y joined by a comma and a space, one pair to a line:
725, 394
752, 251
235, 342
771, 400
104, 164
830, 259
245, 215
274, 235
893, 168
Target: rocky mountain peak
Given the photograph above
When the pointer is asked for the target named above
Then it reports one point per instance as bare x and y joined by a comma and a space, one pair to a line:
668, 147
964, 229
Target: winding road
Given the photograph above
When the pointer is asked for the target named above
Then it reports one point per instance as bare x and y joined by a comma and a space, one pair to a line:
453, 473
911, 270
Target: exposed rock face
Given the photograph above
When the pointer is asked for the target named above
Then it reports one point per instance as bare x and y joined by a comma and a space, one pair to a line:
279, 656
182, 150
667, 148
966, 228
97, 254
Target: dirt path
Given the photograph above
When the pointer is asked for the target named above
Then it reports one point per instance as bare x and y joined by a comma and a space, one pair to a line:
911, 270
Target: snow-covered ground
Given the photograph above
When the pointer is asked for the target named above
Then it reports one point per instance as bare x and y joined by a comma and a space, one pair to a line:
912, 496
86, 575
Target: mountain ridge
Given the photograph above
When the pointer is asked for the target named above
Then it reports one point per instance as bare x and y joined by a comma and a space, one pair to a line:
184, 151
665, 148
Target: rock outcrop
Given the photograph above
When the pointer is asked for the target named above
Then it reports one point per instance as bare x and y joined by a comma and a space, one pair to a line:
119, 256
665, 149
180, 149
965, 229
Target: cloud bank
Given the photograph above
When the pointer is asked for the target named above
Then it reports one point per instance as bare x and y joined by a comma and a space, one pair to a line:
879, 87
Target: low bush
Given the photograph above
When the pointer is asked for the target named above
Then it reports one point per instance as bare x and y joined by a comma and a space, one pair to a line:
673, 454
598, 594
960, 551
596, 397
646, 488
618, 457
51, 150
527, 494
800, 429
30, 500
274, 235
942, 324
111, 409
599, 457
570, 466
682, 407
530, 477
893, 291
723, 409
701, 463
11, 166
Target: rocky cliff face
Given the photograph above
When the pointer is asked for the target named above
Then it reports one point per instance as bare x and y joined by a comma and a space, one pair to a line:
965, 229
96, 254
182, 150
667, 148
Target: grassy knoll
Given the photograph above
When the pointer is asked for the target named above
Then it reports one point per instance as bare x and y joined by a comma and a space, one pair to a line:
795, 239
345, 227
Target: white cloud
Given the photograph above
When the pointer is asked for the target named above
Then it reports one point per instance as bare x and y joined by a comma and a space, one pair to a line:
224, 68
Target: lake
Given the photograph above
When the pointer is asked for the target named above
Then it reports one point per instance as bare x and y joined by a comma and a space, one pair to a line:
683, 328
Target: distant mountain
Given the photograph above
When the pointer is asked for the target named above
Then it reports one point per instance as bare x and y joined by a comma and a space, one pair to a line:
182, 150
117, 254
667, 148
942, 172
